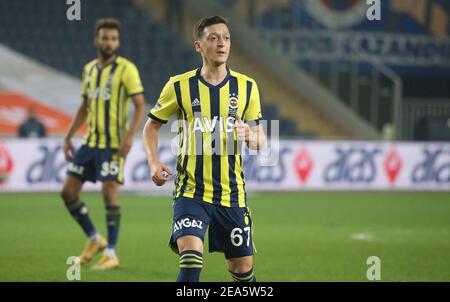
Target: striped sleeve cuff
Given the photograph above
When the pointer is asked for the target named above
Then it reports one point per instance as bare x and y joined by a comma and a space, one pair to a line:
153, 117
136, 93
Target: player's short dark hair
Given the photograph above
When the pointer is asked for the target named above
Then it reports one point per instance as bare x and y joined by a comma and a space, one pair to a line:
205, 22
109, 23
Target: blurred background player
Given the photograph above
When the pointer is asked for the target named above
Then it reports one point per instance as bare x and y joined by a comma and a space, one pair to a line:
108, 84
32, 126
209, 185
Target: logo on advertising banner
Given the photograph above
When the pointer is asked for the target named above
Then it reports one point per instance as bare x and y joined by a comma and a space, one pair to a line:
337, 13
303, 165
354, 164
392, 165
433, 166
6, 164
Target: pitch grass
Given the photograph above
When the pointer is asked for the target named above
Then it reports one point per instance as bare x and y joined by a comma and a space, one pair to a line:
309, 236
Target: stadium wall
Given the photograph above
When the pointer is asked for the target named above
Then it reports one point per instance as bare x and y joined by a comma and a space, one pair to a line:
37, 81
39, 165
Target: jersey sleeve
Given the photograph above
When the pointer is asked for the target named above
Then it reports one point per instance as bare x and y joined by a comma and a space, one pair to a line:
253, 113
132, 80
84, 83
166, 104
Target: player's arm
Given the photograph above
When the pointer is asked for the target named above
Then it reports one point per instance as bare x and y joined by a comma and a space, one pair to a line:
133, 84
138, 117
252, 132
79, 119
160, 172
253, 135
159, 115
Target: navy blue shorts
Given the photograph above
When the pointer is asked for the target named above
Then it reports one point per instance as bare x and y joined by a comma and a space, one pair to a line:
92, 164
230, 229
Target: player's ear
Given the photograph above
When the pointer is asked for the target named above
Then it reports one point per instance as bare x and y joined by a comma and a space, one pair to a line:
197, 46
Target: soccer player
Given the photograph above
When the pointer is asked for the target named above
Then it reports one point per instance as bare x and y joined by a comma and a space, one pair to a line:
217, 108
108, 84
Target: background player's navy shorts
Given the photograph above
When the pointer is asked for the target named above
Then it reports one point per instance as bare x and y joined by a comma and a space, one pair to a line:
92, 164
230, 229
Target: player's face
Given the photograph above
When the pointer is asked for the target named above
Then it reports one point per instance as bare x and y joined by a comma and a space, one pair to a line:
215, 44
107, 42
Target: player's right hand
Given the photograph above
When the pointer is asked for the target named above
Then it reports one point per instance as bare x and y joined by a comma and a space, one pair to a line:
160, 173
68, 149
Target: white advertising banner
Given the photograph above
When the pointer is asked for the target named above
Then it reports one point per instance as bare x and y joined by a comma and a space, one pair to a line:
39, 165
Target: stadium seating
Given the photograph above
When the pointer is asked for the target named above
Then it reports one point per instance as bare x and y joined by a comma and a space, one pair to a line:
43, 32
358, 84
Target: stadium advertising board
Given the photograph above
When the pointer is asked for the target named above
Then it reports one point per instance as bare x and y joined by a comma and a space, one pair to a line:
39, 165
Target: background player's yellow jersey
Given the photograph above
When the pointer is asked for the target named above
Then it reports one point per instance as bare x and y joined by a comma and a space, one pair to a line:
108, 91
209, 168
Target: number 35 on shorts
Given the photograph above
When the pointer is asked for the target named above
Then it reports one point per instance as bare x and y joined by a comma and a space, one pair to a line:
110, 168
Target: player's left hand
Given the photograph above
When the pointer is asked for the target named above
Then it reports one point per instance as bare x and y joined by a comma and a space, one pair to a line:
125, 147
244, 133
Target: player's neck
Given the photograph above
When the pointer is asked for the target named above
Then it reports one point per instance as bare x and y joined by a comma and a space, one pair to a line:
103, 62
214, 74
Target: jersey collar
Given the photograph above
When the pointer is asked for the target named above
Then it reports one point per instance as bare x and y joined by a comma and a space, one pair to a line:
201, 79
111, 63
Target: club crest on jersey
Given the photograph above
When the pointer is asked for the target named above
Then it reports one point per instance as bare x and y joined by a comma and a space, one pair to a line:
233, 104
233, 101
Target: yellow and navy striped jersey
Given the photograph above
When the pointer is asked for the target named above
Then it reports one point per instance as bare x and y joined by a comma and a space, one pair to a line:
209, 165
108, 91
